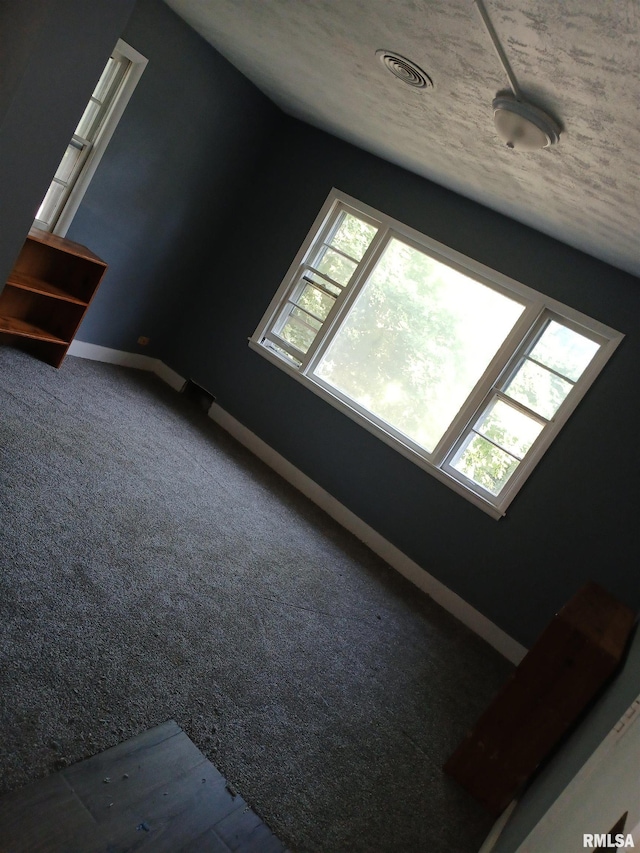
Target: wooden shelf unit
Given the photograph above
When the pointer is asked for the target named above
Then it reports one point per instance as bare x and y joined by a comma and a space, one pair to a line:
549, 691
47, 294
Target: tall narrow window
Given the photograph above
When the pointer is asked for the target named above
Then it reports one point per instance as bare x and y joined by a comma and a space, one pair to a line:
468, 373
90, 139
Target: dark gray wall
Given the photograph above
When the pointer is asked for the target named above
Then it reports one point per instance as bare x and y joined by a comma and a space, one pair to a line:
52, 54
574, 520
199, 205
180, 156
24, 23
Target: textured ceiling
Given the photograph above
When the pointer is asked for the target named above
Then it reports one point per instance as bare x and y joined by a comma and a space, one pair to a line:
578, 59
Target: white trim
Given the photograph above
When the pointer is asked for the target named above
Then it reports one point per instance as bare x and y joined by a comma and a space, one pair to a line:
134, 72
441, 594
173, 379
496, 830
94, 352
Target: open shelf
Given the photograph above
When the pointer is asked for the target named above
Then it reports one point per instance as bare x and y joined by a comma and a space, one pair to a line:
45, 288
47, 294
15, 326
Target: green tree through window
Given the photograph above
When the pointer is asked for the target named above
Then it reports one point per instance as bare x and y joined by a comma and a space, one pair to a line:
466, 372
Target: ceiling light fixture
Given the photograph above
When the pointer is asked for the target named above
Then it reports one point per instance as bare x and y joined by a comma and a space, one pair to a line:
519, 124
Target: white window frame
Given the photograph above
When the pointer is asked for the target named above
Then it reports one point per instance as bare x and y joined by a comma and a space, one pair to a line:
131, 78
538, 308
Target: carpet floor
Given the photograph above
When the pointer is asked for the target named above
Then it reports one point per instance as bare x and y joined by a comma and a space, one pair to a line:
152, 569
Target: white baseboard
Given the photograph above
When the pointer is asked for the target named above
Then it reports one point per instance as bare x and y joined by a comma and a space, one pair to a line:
112, 356
169, 376
128, 359
445, 597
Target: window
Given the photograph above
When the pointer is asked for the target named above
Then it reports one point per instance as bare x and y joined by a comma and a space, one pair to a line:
88, 143
465, 371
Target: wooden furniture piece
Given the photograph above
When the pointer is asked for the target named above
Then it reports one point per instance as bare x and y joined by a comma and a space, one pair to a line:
47, 294
561, 674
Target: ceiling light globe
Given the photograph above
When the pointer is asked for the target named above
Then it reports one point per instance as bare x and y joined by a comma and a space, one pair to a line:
523, 126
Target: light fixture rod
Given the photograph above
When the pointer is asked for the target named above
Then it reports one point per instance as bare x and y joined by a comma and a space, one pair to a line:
499, 49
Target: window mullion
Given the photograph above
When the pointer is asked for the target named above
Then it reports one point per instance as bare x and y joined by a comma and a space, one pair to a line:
326, 233
338, 252
307, 312
302, 319
285, 345
330, 228
551, 370
70, 183
345, 300
496, 445
303, 277
516, 404
518, 355
323, 240
325, 277
492, 377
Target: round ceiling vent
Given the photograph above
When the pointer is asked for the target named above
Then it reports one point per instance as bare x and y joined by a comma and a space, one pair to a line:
405, 70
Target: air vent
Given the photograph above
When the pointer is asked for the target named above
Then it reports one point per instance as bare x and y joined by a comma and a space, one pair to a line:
405, 70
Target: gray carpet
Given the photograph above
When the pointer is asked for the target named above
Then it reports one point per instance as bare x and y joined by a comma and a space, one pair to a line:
152, 569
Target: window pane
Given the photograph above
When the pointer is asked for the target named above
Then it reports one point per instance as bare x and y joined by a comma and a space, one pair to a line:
88, 123
539, 389
485, 464
106, 80
309, 275
353, 236
297, 333
315, 301
336, 266
52, 200
306, 318
69, 162
510, 428
564, 350
417, 340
